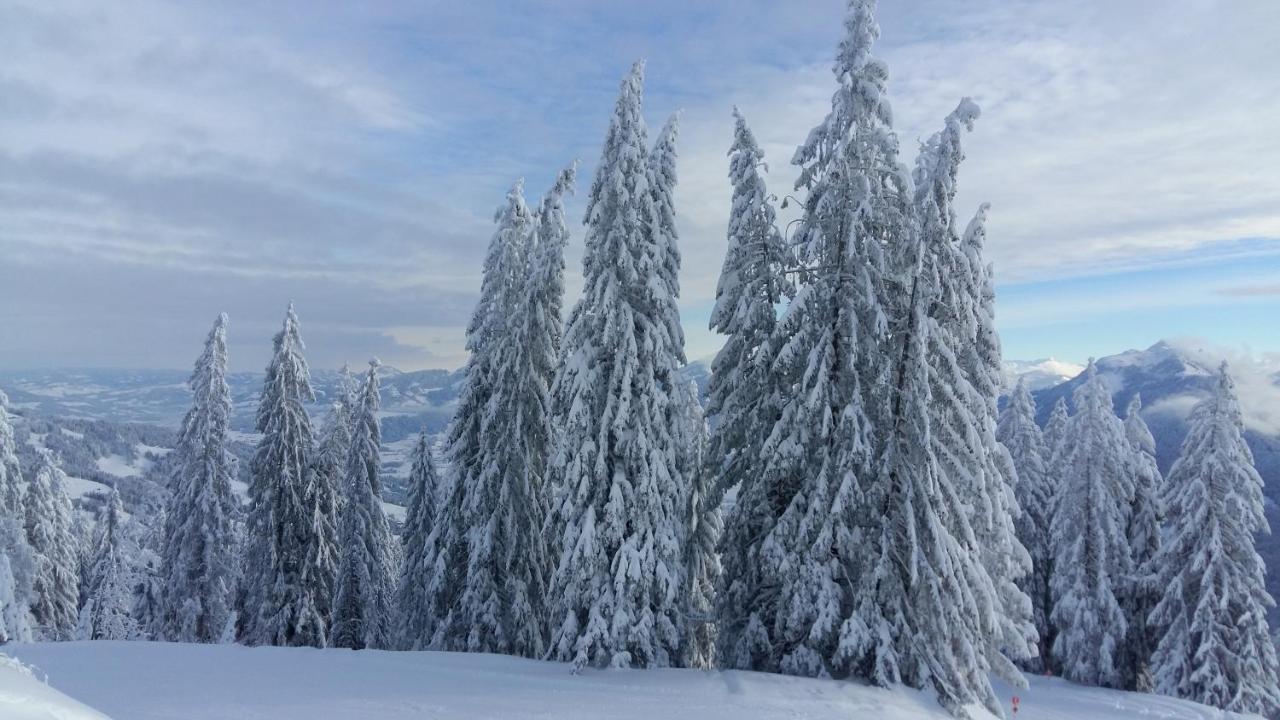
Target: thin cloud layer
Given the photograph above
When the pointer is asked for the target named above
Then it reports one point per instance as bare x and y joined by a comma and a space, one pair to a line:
162, 162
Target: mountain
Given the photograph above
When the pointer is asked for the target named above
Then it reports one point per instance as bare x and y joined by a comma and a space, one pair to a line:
1039, 374
1172, 376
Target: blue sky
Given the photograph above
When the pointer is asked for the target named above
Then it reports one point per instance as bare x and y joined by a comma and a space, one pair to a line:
162, 162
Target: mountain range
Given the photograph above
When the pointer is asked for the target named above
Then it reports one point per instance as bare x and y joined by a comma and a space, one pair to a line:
1171, 377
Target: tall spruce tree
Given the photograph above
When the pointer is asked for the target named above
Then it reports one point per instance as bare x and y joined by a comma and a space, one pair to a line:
15, 553
280, 600
703, 526
662, 183
830, 370
541, 335
478, 446
364, 582
745, 402
994, 478
937, 617
496, 504
1215, 646
616, 591
413, 628
322, 495
55, 580
108, 609
1091, 561
1019, 433
1140, 593
197, 565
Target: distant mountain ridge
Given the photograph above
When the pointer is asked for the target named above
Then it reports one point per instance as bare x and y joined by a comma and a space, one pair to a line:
1172, 377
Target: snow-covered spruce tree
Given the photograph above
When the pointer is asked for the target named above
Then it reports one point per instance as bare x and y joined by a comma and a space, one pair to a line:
471, 451
745, 401
108, 610
936, 618
993, 494
413, 625
1019, 433
322, 496
1055, 435
1091, 561
280, 600
495, 504
1140, 593
197, 561
15, 554
540, 325
616, 593
1215, 647
55, 580
364, 583
816, 561
662, 183
702, 534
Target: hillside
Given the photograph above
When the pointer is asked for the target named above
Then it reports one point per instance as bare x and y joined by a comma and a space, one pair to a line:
154, 681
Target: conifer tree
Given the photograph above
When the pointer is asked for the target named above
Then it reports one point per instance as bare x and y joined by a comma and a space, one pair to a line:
540, 324
1019, 433
1139, 594
662, 182
322, 496
1215, 646
1005, 557
280, 600
108, 610
362, 596
197, 565
618, 490
745, 400
495, 507
1091, 560
55, 580
476, 444
413, 630
1055, 434
830, 370
703, 526
937, 617
15, 555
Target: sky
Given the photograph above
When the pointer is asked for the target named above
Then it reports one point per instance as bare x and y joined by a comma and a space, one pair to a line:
164, 162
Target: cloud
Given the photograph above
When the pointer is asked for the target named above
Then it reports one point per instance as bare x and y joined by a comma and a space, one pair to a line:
1256, 376
1262, 290
201, 155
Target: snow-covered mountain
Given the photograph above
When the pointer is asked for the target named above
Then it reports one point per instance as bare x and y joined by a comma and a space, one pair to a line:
1039, 374
1172, 376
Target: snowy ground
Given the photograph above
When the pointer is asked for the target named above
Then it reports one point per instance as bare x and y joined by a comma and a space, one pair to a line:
23, 697
150, 681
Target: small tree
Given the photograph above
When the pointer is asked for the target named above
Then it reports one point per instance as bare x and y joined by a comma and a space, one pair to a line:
413, 631
55, 587
1092, 561
108, 611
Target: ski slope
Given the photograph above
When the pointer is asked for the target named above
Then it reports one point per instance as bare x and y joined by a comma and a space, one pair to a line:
155, 681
